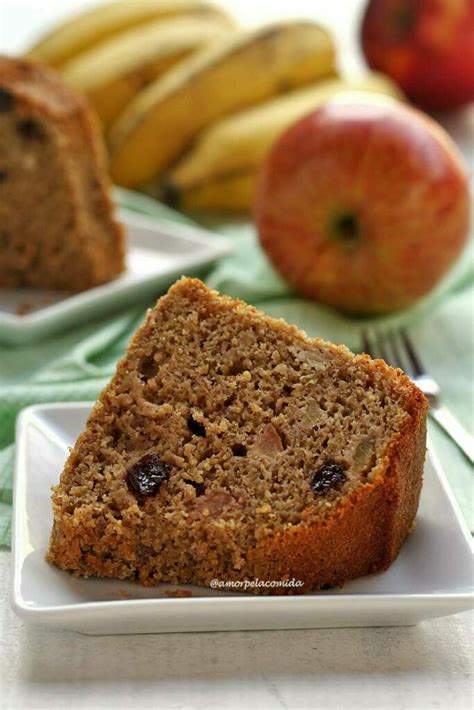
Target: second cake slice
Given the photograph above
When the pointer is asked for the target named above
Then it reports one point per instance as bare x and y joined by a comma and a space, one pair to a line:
57, 226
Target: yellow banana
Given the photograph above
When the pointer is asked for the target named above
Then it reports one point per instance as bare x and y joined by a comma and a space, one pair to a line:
234, 73
93, 26
113, 72
238, 144
233, 193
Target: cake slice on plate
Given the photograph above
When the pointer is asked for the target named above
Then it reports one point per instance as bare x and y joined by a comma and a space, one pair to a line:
57, 228
229, 445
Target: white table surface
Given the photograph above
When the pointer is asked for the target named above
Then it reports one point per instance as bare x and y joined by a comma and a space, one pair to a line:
410, 668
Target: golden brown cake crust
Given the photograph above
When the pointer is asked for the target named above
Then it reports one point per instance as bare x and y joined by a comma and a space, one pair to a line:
365, 535
39, 85
242, 446
57, 228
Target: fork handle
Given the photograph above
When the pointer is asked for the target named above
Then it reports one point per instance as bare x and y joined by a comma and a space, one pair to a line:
455, 430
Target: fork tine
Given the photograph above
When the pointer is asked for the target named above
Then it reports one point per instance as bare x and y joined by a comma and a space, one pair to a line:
366, 343
373, 345
386, 346
398, 360
414, 360
382, 348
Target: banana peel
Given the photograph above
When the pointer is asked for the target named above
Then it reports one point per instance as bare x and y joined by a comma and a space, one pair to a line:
93, 26
234, 73
228, 194
240, 142
229, 154
114, 72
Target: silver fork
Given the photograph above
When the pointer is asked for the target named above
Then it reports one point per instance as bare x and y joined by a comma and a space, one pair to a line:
397, 350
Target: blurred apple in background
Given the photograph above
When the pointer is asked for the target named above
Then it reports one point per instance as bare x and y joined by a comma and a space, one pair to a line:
426, 46
363, 204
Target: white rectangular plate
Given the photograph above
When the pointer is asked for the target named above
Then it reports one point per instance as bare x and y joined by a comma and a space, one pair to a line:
158, 252
432, 576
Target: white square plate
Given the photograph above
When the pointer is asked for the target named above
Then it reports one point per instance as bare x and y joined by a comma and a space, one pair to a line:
432, 576
158, 252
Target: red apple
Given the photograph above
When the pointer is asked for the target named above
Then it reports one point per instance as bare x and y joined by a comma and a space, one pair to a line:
363, 204
426, 46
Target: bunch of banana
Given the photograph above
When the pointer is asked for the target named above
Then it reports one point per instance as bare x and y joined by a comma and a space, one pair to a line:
113, 72
235, 72
189, 104
220, 171
92, 27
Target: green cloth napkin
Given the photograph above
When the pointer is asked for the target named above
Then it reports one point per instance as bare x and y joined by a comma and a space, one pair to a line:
75, 365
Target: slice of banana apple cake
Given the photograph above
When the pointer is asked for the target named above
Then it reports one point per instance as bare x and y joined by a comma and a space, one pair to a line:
57, 228
229, 445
